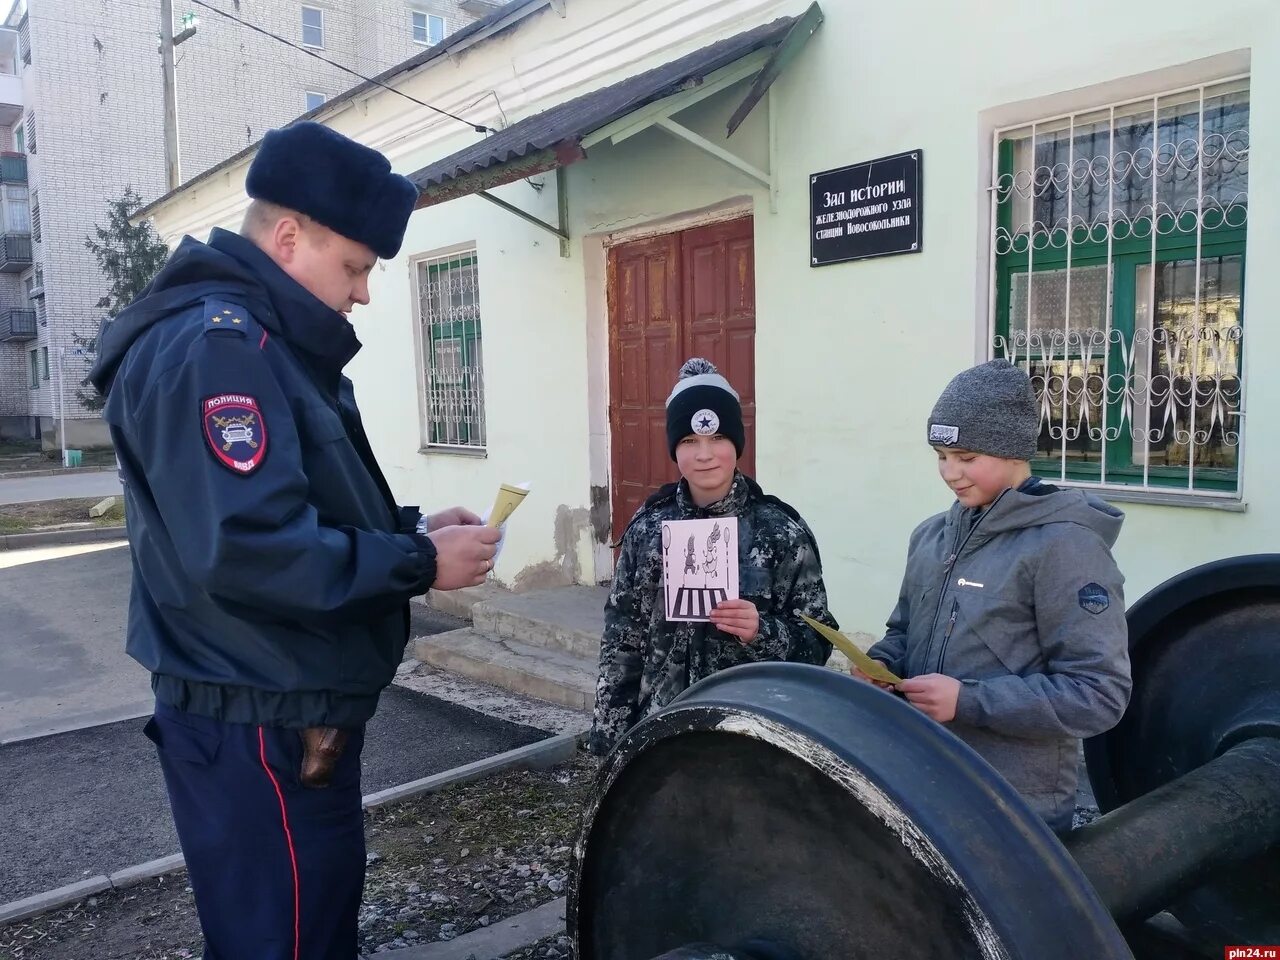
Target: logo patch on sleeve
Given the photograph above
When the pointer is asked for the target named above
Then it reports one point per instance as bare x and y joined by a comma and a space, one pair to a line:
235, 431
1094, 598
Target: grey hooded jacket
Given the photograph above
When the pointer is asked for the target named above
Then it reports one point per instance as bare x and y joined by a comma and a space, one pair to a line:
1024, 604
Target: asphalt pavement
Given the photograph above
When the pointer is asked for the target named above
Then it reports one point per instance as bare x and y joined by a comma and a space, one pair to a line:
62, 659
80, 788
92, 801
91, 483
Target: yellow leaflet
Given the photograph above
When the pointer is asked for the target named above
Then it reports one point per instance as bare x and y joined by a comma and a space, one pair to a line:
872, 668
510, 496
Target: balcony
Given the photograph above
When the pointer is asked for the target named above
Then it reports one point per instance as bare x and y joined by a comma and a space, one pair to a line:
480, 8
17, 326
10, 78
15, 252
13, 168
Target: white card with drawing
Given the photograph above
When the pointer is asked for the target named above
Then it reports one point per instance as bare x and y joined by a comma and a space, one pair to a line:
699, 566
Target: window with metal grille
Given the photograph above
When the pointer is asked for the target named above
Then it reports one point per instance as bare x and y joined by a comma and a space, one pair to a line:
312, 27
35, 215
427, 28
1118, 257
452, 358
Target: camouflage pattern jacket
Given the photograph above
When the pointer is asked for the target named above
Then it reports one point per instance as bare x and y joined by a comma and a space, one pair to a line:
645, 661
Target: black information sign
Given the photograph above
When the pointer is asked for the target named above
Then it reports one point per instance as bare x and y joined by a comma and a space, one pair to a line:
866, 210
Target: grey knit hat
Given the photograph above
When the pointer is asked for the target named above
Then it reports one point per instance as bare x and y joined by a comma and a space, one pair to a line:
989, 409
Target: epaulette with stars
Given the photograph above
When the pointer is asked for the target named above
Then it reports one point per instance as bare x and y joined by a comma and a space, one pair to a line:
221, 316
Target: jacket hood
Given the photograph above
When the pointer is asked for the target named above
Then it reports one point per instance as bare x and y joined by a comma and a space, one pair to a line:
193, 272
1035, 504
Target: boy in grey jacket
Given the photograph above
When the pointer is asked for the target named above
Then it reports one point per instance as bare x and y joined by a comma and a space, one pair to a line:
1010, 625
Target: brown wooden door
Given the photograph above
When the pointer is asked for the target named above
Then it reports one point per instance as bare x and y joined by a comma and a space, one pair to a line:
670, 298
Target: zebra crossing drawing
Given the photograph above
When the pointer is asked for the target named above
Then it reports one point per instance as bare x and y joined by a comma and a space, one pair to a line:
699, 566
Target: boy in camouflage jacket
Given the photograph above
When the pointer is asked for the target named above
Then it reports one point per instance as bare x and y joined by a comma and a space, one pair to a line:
645, 660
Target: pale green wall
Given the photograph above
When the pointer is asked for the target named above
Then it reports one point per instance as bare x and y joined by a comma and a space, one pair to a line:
850, 357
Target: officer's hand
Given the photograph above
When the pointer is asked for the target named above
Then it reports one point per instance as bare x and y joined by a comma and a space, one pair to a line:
464, 555
739, 618
453, 517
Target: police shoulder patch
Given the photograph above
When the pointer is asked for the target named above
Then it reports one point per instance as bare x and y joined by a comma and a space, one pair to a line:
235, 430
221, 316
1094, 598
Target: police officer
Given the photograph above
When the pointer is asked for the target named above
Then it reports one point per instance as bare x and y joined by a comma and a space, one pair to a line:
272, 567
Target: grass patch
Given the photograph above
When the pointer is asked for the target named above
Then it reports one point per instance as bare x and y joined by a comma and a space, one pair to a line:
32, 517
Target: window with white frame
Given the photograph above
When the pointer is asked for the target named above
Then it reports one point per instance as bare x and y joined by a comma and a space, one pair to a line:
452, 358
17, 209
315, 100
427, 28
312, 27
20, 139
1118, 257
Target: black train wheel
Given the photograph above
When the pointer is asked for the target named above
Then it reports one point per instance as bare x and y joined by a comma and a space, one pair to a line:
792, 806
1205, 648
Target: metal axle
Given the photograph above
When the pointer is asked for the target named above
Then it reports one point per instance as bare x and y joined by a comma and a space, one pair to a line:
1144, 855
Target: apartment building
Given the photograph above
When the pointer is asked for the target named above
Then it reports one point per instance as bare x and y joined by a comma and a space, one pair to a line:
81, 119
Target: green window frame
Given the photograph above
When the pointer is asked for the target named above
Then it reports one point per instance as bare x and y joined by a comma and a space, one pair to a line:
452, 351
1139, 381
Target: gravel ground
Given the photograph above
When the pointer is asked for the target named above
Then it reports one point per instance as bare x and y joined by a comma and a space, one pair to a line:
439, 866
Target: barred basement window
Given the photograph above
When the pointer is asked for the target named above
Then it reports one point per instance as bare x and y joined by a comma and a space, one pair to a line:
1118, 257
452, 358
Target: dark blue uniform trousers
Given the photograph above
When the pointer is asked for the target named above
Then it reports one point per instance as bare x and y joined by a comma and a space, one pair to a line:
277, 868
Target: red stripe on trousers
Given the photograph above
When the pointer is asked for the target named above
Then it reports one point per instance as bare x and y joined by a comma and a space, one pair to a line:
288, 837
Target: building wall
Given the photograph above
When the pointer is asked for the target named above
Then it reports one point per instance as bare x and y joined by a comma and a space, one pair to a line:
94, 85
14, 374
849, 358
86, 83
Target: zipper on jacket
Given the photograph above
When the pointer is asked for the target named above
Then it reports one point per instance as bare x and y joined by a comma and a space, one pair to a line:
956, 550
946, 635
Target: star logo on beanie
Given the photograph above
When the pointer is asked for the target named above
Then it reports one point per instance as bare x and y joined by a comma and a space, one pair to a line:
705, 423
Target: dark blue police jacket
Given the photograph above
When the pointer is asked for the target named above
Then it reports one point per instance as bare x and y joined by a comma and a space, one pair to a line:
271, 566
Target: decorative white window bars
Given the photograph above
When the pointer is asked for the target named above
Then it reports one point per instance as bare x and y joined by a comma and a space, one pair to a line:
452, 356
1118, 257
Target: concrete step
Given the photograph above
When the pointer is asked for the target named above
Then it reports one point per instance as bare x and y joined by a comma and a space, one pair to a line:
534, 671
460, 603
568, 619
